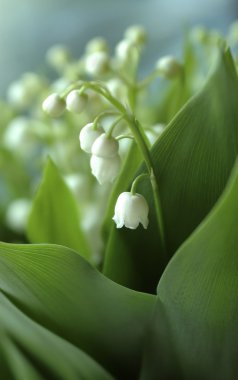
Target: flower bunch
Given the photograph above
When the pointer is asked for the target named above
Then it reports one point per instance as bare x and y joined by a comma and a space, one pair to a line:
165, 305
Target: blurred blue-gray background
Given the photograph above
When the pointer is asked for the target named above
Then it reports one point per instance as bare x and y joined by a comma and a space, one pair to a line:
29, 27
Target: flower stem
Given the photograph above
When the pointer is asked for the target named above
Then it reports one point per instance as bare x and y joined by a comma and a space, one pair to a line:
135, 128
136, 181
141, 142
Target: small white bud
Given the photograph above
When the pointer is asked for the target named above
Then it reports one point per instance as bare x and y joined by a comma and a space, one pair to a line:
33, 83
116, 88
17, 214
53, 105
136, 34
168, 67
18, 95
105, 146
105, 169
88, 135
76, 102
97, 44
130, 210
124, 50
16, 133
97, 63
58, 56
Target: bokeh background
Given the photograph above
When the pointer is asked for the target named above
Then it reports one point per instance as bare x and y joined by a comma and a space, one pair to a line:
29, 27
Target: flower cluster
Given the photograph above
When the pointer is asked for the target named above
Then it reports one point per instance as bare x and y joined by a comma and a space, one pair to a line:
99, 98
131, 208
105, 160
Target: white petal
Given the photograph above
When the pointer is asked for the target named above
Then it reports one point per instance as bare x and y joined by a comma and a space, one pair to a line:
76, 102
105, 146
105, 169
88, 135
130, 210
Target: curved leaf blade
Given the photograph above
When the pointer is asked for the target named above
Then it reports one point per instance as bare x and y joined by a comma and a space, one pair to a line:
33, 352
193, 159
58, 289
198, 295
54, 216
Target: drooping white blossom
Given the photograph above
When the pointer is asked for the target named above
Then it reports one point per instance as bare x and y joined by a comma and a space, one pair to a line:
105, 146
88, 135
130, 210
136, 34
169, 67
76, 102
54, 105
97, 63
105, 169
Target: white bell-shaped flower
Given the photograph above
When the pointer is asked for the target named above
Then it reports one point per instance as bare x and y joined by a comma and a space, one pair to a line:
76, 102
105, 169
169, 67
105, 146
97, 63
97, 44
88, 135
136, 34
17, 214
130, 210
53, 105
124, 50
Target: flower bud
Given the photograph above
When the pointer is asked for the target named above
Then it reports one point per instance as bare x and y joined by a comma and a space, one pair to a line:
53, 105
116, 88
18, 95
17, 214
124, 50
76, 102
168, 67
136, 34
88, 135
17, 134
96, 44
97, 63
130, 210
58, 56
32, 82
105, 146
105, 169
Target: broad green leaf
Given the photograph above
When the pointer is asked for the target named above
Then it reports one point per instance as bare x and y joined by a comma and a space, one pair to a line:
193, 159
58, 289
198, 300
54, 216
29, 351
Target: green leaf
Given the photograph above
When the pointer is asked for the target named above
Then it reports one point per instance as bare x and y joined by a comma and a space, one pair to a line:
193, 159
54, 217
198, 300
58, 289
29, 351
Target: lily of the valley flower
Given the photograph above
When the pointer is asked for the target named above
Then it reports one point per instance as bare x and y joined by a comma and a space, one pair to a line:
105, 146
105, 169
88, 135
76, 102
130, 210
105, 161
97, 63
53, 105
169, 67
